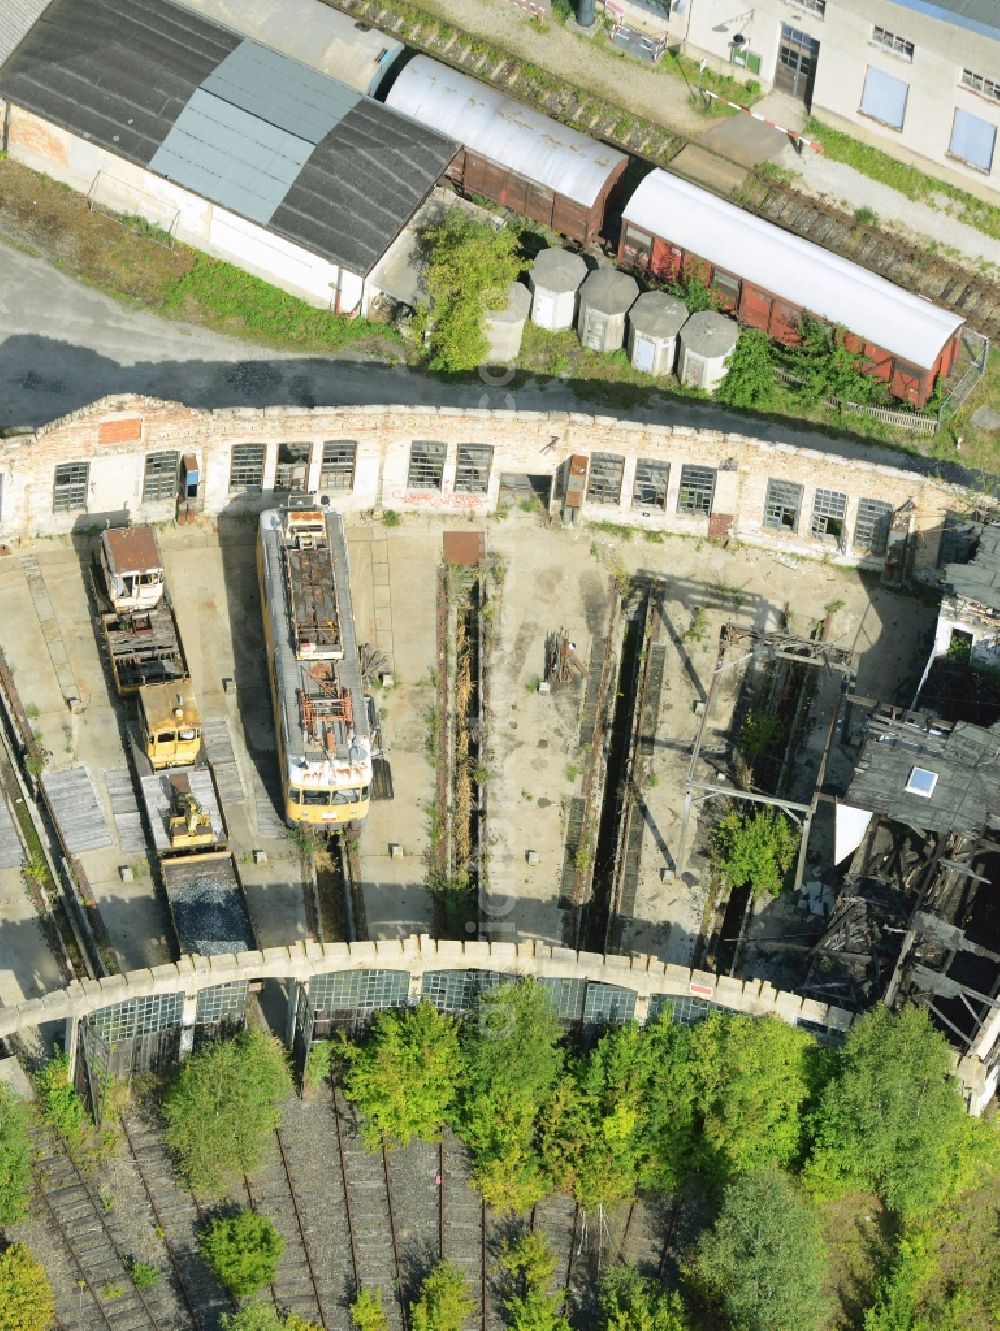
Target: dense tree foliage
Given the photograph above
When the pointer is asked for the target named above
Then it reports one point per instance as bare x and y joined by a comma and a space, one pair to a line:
631, 1302
764, 1262
222, 1109
444, 1302
892, 1120
367, 1312
756, 848
60, 1102
404, 1078
749, 380
26, 1299
15, 1161
752, 1079
258, 1316
530, 1302
511, 1059
243, 1250
469, 266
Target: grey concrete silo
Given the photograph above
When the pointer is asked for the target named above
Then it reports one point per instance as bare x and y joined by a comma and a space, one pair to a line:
555, 278
605, 299
706, 340
504, 328
654, 322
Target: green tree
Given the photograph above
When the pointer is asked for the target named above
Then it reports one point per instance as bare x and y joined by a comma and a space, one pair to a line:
15, 1160
631, 1302
252, 1317
764, 1261
756, 848
404, 1078
61, 1105
529, 1301
753, 1078
892, 1120
367, 1313
243, 1250
222, 1109
444, 1302
511, 1059
469, 266
749, 381
828, 369
26, 1299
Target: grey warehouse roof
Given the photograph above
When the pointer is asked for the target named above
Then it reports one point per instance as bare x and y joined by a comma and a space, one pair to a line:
16, 19
505, 131
312, 32
979, 579
965, 760
246, 127
791, 268
982, 16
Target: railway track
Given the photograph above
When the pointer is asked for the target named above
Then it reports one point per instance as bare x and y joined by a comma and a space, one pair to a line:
295, 1288
940, 280
177, 1218
108, 1300
463, 1224
371, 1218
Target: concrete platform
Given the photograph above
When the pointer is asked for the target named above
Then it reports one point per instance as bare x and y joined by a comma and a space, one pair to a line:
705, 168
743, 140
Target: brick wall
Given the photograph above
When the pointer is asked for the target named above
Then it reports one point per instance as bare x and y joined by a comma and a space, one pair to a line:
532, 443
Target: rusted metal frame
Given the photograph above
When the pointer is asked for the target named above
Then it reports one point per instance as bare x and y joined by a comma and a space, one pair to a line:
443, 749
595, 758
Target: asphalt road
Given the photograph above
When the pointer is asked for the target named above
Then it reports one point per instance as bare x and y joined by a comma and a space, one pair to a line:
63, 345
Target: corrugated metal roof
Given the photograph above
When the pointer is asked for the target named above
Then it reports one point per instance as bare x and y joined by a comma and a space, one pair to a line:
309, 31
16, 20
248, 128
501, 129
793, 269
982, 16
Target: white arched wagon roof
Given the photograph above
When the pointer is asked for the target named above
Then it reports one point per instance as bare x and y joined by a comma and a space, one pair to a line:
501, 129
791, 268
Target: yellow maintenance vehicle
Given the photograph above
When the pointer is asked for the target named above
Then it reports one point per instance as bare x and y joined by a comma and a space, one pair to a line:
144, 645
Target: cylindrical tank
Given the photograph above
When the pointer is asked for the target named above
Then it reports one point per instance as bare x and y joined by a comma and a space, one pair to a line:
586, 13
503, 328
706, 340
605, 299
654, 322
555, 277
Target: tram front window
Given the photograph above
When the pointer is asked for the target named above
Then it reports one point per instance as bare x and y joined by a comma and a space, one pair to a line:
351, 796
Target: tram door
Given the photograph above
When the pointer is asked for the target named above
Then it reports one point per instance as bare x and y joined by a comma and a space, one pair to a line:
797, 58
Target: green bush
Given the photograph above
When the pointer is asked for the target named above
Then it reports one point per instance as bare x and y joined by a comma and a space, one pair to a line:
143, 1275
243, 1250
444, 1303
367, 1313
61, 1105
15, 1160
26, 1299
756, 849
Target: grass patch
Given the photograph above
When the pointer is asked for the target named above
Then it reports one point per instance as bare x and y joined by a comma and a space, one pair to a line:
908, 180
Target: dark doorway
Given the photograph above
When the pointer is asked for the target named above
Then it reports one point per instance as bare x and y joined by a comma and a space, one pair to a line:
797, 59
518, 487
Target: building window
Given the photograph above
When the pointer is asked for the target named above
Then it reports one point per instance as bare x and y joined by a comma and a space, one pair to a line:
650, 488
884, 98
921, 781
159, 478
246, 475
783, 505
890, 42
829, 508
817, 7
871, 531
972, 140
337, 468
472, 475
292, 471
604, 482
69, 490
697, 490
980, 83
426, 465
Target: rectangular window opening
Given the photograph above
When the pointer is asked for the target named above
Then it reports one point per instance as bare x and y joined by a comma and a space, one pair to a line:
884, 98
69, 488
159, 477
989, 88
604, 481
829, 508
697, 490
871, 530
472, 475
337, 467
783, 505
292, 471
650, 487
426, 470
889, 41
246, 474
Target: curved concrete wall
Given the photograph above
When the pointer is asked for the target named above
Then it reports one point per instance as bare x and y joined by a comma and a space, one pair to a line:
115, 435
